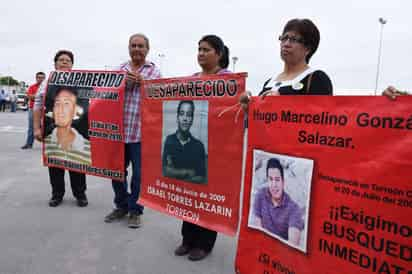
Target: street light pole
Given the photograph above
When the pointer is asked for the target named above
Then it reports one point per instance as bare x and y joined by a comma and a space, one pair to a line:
161, 56
234, 60
382, 23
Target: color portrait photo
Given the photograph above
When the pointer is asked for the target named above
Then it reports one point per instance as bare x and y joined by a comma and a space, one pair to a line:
280, 197
66, 126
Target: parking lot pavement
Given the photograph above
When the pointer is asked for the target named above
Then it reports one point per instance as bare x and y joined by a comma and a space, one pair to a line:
37, 239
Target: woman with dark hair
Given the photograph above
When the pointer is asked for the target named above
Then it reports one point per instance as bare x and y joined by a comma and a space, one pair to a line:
69, 54
298, 42
63, 60
213, 58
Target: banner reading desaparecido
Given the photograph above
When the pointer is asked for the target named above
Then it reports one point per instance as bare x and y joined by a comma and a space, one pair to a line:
83, 122
192, 149
328, 186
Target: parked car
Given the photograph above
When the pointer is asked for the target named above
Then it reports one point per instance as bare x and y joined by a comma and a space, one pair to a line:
22, 102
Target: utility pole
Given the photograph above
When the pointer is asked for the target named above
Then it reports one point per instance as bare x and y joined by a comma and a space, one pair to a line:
234, 60
382, 22
161, 57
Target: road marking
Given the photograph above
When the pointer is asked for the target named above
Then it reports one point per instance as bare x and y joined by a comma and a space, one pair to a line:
4, 186
12, 129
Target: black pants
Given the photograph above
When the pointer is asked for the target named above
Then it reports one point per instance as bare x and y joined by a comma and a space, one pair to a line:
196, 236
77, 181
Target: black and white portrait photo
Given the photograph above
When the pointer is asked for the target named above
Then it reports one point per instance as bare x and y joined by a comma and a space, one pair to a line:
185, 140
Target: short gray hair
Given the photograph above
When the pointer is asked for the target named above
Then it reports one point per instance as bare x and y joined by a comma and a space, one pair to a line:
140, 35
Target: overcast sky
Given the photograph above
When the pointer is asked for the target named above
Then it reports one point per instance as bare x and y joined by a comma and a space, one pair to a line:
97, 32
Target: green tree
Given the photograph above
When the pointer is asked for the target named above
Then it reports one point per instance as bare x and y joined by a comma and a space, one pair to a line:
8, 81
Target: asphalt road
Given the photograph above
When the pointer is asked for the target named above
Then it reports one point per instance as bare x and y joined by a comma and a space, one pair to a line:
37, 239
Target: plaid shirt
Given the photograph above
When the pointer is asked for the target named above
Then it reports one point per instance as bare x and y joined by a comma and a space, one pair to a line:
131, 115
221, 71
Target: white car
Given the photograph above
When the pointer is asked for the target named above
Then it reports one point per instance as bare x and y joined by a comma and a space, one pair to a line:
22, 102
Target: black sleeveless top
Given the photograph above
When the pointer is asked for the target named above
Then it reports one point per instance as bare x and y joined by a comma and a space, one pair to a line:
314, 83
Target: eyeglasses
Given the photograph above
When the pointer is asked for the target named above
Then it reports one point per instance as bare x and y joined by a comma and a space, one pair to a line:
292, 39
67, 60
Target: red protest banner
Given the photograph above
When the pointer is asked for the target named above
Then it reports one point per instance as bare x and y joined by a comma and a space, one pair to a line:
83, 122
192, 146
328, 186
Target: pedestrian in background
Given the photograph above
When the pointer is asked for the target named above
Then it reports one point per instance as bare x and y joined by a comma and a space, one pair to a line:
13, 101
31, 93
2, 100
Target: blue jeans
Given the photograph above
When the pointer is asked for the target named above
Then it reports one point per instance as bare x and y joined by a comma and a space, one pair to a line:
13, 107
122, 198
30, 136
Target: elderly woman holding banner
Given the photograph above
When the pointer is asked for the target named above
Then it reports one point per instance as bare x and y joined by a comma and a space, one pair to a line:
213, 58
298, 42
63, 60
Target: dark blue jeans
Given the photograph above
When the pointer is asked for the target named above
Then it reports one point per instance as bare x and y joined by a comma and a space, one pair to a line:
122, 198
13, 106
30, 136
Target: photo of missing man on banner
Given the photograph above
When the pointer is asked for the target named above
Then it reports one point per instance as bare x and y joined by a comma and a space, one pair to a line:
66, 125
185, 140
280, 196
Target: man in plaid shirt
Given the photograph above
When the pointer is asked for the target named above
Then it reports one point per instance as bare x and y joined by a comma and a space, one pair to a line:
137, 70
